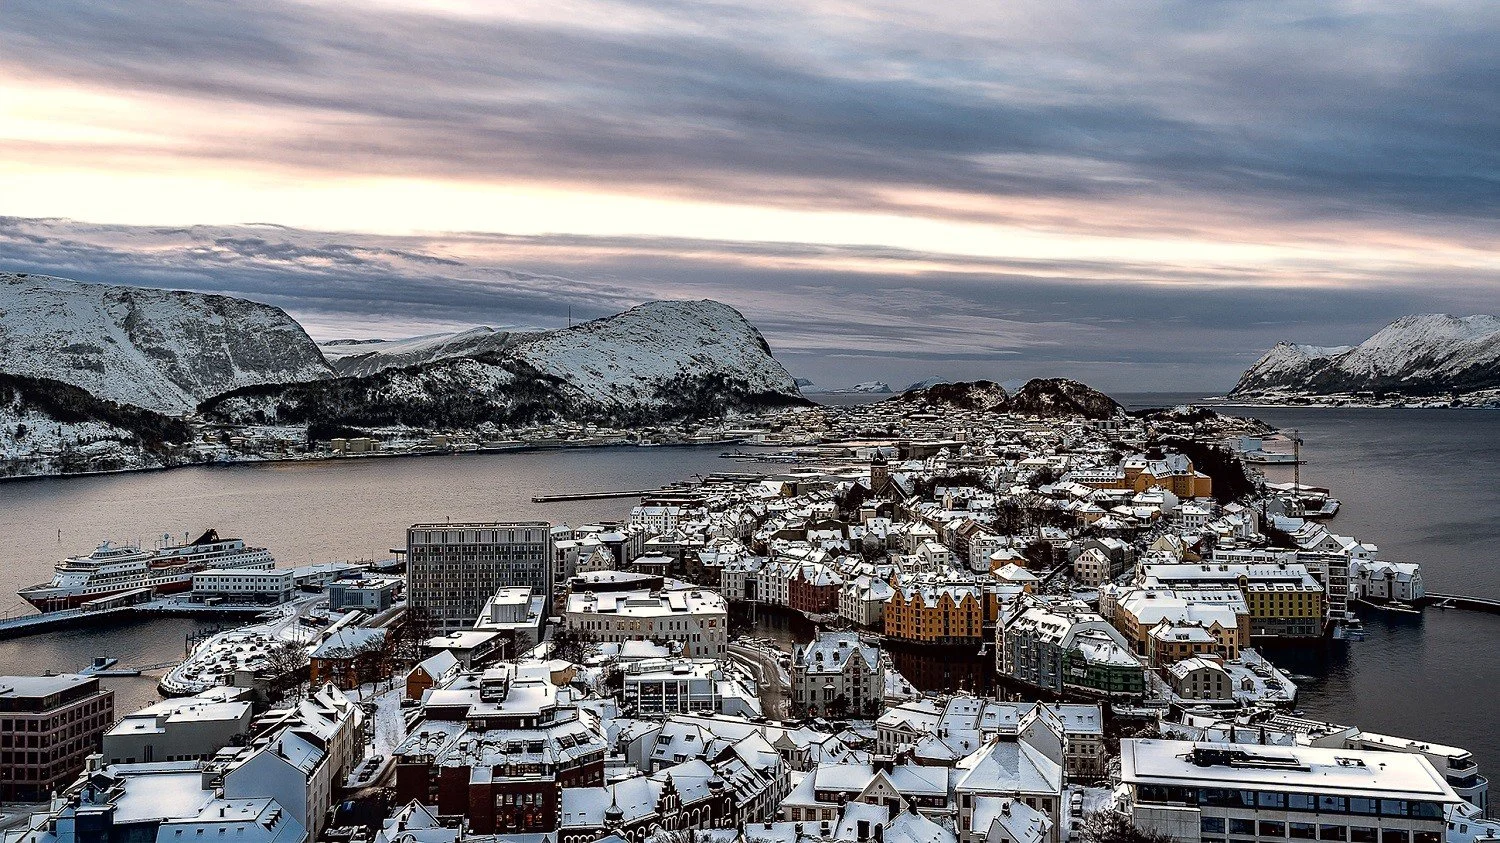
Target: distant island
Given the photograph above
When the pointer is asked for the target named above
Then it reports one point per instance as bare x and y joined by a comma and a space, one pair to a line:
1427, 360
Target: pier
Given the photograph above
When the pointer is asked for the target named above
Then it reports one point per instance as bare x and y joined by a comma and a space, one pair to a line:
21, 625
1461, 601
592, 496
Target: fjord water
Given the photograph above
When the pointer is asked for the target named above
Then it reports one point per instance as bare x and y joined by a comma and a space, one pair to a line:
1419, 483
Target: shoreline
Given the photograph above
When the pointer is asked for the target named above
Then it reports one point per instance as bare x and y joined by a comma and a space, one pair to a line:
249, 462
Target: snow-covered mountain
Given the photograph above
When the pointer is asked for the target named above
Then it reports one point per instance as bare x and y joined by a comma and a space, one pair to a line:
164, 350
1418, 355
366, 357
660, 361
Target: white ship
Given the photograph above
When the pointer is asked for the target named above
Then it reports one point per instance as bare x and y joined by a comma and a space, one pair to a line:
113, 570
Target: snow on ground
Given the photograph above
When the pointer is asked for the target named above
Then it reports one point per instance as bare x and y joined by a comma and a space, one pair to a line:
159, 349
625, 358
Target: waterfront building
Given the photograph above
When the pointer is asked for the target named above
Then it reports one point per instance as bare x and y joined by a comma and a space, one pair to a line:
179, 729
814, 589
1200, 678
1208, 792
862, 601
1068, 648
696, 618
1284, 600
244, 585
48, 726
938, 613
837, 675
1386, 582
452, 569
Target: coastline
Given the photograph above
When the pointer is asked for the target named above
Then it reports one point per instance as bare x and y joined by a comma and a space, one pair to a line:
327, 458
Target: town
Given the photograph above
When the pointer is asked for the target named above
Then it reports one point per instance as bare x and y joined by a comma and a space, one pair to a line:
913, 620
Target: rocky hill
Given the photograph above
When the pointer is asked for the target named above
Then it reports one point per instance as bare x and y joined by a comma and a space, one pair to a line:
1062, 397
162, 350
1037, 397
661, 361
983, 396
1422, 355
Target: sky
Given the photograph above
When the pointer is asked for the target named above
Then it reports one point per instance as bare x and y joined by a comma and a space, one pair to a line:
1144, 196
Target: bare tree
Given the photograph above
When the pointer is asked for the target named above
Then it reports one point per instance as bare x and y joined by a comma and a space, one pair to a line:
1106, 826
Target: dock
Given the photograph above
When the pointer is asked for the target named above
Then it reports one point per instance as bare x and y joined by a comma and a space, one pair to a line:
22, 625
593, 496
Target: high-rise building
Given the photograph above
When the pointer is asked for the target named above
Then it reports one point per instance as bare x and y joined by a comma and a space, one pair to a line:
452, 569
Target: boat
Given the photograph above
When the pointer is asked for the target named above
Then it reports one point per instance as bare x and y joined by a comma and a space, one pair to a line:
114, 569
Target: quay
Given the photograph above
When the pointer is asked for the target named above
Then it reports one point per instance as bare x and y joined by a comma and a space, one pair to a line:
592, 496
22, 625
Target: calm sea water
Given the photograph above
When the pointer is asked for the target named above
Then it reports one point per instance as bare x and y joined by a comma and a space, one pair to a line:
1419, 483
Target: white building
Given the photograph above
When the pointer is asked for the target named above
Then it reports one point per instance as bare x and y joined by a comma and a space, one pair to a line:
179, 729
696, 618
1206, 792
657, 687
301, 758
1383, 582
1014, 768
241, 585
166, 802
862, 600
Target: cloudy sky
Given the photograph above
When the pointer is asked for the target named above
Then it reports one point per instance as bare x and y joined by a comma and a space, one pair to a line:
1143, 195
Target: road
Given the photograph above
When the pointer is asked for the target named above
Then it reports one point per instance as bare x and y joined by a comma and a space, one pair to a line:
775, 694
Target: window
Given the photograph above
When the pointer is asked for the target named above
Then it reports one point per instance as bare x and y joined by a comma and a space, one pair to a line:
1239, 826
1393, 835
1301, 802
1212, 825
1270, 800
1270, 828
1362, 834
1361, 805
1333, 832
1302, 831
1393, 807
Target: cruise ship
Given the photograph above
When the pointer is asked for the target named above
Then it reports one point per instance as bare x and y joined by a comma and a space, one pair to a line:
112, 569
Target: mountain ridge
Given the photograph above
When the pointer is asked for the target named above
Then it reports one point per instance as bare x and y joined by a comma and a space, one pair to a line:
1418, 355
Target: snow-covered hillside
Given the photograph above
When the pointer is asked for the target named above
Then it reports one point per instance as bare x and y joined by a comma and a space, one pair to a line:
656, 362
366, 357
1415, 355
163, 350
631, 357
